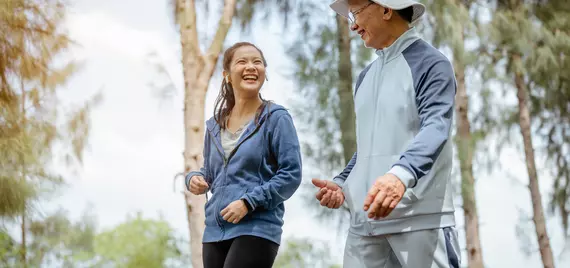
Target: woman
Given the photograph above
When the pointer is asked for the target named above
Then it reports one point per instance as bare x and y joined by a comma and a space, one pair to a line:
252, 164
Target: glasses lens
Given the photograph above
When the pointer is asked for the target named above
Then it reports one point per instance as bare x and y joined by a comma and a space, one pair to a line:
351, 17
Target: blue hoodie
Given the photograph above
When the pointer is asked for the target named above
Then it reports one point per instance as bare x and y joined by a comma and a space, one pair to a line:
264, 169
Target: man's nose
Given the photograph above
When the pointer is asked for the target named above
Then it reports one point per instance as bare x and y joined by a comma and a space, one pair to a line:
353, 26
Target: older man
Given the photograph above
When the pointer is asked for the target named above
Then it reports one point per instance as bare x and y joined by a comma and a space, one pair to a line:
398, 188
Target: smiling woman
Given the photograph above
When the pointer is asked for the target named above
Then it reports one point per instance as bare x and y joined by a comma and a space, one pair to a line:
252, 164
244, 72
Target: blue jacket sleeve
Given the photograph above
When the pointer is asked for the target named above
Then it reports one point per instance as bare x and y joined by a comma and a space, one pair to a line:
341, 178
285, 146
203, 170
435, 98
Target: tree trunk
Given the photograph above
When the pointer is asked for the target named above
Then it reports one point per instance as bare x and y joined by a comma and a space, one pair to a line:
347, 114
23, 247
23, 250
465, 145
198, 70
538, 212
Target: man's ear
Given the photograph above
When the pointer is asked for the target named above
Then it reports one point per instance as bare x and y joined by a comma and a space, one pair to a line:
387, 13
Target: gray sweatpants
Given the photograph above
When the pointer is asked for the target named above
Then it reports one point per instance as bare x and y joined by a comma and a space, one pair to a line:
435, 248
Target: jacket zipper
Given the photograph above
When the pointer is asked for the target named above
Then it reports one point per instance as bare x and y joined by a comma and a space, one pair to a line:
223, 157
226, 161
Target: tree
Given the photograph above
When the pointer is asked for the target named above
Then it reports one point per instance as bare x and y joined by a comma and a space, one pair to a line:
138, 242
324, 69
198, 68
32, 70
550, 98
513, 33
58, 241
451, 25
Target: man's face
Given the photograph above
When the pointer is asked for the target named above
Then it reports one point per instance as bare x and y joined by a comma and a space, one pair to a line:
370, 22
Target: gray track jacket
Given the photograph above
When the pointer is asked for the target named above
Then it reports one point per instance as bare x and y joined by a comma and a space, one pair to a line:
404, 104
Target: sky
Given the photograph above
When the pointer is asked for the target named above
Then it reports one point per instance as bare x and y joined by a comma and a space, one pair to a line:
136, 142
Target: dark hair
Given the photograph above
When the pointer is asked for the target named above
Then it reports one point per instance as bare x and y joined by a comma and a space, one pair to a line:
406, 13
226, 101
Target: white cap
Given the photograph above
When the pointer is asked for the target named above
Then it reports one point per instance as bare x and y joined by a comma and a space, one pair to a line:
341, 7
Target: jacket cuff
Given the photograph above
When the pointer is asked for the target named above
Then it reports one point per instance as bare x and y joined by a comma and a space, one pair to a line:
189, 177
248, 203
339, 181
404, 175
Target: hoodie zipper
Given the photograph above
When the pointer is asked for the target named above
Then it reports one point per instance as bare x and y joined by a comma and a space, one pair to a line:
223, 157
226, 161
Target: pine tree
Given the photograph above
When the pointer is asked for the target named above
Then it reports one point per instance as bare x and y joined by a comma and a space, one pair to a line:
324, 71
451, 24
548, 66
32, 39
513, 35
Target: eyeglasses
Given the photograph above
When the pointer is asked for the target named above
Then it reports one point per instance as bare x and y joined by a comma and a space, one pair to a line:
352, 14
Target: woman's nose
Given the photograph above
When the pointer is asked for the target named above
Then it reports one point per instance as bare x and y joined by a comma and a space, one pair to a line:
250, 66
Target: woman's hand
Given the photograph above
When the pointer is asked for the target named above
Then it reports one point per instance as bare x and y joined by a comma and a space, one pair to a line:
198, 185
234, 212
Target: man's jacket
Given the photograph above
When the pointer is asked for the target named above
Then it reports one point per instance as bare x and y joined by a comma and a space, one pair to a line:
404, 104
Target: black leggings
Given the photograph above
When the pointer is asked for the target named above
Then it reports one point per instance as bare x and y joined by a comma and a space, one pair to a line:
241, 252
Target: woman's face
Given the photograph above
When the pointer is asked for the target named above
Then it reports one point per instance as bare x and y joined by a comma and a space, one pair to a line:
247, 71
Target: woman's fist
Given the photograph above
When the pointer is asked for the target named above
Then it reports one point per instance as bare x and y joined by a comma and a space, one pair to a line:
198, 185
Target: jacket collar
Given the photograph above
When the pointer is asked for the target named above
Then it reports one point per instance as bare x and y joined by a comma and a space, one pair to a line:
396, 48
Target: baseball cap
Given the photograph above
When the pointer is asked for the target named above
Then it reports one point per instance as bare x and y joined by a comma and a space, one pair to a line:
341, 7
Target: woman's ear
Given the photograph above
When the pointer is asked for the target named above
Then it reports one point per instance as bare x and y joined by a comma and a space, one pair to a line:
226, 76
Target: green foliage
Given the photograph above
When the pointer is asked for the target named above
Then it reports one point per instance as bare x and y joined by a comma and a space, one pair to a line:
8, 249
53, 240
550, 97
302, 253
138, 242
57, 241
315, 57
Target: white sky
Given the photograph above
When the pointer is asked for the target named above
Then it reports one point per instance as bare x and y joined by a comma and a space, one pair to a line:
136, 141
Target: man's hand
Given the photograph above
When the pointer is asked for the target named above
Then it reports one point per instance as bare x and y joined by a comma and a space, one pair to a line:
330, 194
383, 196
198, 185
234, 212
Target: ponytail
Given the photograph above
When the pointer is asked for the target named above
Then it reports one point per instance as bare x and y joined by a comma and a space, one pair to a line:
225, 102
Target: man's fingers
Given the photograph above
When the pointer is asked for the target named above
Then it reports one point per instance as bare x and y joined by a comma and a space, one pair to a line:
384, 207
335, 200
318, 183
325, 184
370, 197
391, 207
376, 203
332, 200
326, 198
340, 199
320, 193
